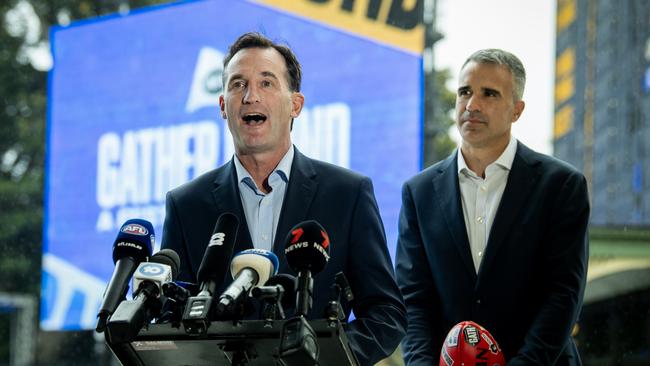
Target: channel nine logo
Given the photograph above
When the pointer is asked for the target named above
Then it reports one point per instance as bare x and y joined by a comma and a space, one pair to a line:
135, 229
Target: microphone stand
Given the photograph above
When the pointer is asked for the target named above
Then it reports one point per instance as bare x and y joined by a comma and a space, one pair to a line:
334, 310
304, 293
271, 296
298, 342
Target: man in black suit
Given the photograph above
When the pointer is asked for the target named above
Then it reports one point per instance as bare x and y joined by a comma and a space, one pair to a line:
496, 233
271, 187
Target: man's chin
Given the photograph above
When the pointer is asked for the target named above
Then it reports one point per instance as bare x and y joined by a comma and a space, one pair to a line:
255, 148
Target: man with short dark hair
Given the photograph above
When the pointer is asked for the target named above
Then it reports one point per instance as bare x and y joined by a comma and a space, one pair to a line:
271, 187
496, 233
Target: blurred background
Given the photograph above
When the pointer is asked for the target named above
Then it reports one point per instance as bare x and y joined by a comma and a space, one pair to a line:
588, 103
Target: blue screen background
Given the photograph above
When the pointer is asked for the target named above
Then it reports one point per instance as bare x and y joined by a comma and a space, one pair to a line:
134, 72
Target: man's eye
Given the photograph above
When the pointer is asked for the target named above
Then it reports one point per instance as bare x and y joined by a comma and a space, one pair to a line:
237, 85
266, 83
463, 92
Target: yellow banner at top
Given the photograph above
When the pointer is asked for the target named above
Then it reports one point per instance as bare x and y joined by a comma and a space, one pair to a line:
394, 22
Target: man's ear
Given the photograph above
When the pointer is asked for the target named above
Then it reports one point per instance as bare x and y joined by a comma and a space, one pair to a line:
222, 106
297, 102
519, 109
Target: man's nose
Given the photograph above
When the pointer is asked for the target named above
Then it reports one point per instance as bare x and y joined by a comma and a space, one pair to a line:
473, 104
251, 95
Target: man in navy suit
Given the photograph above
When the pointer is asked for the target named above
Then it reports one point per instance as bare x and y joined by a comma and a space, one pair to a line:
496, 233
271, 187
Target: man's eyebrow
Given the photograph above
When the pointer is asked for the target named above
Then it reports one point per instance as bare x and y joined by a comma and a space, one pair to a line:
240, 76
269, 74
235, 77
495, 91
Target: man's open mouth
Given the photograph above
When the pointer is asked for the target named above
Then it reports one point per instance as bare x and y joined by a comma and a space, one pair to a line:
251, 118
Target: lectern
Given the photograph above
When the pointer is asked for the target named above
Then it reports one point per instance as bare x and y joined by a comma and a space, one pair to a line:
245, 342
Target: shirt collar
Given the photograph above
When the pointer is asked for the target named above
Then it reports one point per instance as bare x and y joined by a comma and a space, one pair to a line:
283, 169
505, 159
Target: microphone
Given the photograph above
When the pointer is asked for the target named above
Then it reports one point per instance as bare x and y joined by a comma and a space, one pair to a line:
131, 316
176, 292
212, 270
277, 293
132, 246
173, 308
307, 251
248, 268
152, 272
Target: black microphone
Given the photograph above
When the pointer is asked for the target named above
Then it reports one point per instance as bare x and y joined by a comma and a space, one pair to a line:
289, 285
277, 294
307, 251
132, 246
214, 265
176, 292
131, 316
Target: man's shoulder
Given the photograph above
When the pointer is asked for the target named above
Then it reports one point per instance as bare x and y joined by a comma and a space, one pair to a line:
428, 174
334, 173
200, 183
549, 165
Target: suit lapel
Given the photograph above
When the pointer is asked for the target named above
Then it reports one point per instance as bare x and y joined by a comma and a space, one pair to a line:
297, 200
226, 199
520, 184
447, 191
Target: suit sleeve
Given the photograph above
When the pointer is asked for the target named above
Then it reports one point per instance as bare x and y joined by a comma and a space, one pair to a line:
415, 282
172, 238
565, 265
380, 315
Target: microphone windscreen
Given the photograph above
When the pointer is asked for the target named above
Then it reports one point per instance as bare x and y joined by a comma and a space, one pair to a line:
135, 239
168, 257
217, 255
307, 247
264, 262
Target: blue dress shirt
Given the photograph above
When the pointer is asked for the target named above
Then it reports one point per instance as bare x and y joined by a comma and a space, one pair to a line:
262, 210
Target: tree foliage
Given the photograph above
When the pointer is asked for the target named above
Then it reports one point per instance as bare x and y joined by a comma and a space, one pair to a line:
22, 132
24, 26
439, 103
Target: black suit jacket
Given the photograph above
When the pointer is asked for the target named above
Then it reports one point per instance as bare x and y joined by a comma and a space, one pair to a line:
530, 286
343, 203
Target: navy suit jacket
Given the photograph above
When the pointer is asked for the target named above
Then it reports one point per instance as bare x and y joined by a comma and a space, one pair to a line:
530, 285
343, 202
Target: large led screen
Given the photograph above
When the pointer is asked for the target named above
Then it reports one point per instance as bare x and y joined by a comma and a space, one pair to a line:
133, 112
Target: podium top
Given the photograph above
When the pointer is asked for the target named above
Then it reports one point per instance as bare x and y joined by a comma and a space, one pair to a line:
247, 342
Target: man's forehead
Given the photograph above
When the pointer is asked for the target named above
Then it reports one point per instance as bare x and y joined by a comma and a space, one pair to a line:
490, 74
258, 60
488, 67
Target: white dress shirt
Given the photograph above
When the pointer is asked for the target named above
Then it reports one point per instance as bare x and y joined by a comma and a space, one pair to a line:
481, 198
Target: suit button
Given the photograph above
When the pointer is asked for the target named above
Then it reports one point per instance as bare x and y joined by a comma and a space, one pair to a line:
478, 301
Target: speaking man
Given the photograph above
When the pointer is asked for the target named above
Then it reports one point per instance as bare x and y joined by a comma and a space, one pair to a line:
271, 187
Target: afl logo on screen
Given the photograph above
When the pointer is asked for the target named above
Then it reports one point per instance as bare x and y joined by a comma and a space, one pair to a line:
135, 229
